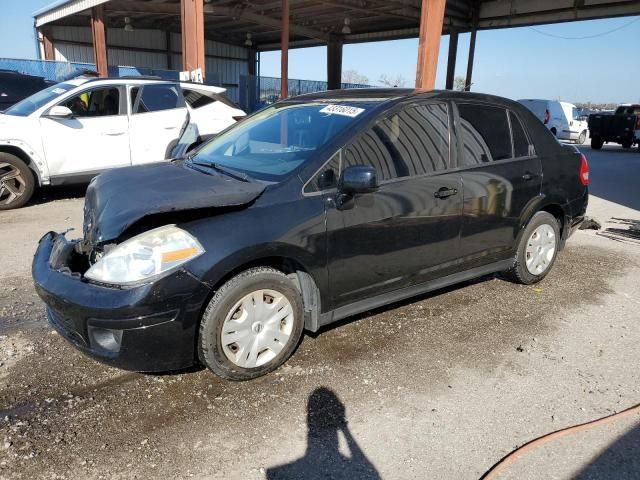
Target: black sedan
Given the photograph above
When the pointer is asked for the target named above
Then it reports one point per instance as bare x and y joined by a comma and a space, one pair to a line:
309, 211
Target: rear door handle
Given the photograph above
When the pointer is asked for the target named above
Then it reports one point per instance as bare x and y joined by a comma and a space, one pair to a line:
527, 176
445, 192
114, 133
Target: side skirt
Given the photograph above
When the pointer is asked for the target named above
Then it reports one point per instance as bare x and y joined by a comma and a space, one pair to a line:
412, 291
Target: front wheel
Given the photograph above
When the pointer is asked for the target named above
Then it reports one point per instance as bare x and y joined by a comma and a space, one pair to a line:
582, 137
252, 324
537, 250
16, 182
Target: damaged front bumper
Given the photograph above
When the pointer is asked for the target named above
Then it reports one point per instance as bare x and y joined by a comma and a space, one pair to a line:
151, 327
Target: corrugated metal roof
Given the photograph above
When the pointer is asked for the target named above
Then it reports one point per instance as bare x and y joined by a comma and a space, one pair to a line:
64, 8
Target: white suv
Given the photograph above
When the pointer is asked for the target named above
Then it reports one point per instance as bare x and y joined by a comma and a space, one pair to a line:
70, 132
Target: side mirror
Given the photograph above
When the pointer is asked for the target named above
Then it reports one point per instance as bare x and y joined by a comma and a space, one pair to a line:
60, 111
358, 179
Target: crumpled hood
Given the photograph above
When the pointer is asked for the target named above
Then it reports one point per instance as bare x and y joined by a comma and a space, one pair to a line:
118, 198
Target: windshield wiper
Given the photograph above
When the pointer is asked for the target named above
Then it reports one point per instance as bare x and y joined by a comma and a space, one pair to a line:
226, 170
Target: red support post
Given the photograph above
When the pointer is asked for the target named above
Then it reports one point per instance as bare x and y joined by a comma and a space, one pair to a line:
192, 22
99, 35
284, 61
431, 22
47, 43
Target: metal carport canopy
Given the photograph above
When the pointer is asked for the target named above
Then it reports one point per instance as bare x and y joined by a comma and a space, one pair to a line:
261, 24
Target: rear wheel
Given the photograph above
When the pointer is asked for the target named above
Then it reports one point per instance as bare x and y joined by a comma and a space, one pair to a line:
626, 145
554, 131
252, 325
16, 182
537, 250
596, 143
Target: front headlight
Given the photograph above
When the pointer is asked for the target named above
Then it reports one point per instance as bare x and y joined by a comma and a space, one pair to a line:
145, 256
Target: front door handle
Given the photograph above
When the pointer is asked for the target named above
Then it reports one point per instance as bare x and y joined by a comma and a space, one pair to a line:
445, 192
528, 176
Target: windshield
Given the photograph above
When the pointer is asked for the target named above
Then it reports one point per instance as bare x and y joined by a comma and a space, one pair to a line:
277, 140
576, 114
34, 102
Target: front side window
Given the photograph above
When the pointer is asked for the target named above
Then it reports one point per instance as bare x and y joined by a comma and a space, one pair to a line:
274, 142
485, 134
100, 102
155, 98
412, 142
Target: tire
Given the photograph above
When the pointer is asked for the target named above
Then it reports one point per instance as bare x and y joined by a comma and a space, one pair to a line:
627, 145
521, 272
582, 137
596, 143
228, 360
554, 131
17, 182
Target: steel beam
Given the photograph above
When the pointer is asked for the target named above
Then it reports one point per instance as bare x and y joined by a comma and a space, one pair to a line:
472, 46
453, 55
431, 24
334, 63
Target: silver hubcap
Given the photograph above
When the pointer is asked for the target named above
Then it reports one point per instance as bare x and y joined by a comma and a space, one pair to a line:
257, 328
12, 185
541, 247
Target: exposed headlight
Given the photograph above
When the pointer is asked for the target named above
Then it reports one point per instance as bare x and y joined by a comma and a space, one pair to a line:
145, 256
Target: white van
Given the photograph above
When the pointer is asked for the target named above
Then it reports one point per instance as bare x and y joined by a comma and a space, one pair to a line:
562, 118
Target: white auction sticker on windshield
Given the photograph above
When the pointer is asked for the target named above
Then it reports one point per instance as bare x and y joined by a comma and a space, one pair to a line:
58, 91
345, 110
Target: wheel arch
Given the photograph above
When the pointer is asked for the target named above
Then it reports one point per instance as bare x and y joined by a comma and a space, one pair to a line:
296, 270
551, 206
25, 157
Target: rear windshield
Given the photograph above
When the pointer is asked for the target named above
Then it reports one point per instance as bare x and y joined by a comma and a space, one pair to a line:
277, 140
37, 100
197, 99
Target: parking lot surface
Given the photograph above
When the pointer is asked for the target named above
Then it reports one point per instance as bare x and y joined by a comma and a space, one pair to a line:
441, 386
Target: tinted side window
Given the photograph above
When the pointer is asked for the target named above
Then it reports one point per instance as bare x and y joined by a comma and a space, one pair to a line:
414, 141
485, 133
520, 141
154, 98
327, 177
100, 102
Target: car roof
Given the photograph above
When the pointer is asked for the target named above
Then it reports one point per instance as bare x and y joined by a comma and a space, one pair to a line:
396, 94
118, 80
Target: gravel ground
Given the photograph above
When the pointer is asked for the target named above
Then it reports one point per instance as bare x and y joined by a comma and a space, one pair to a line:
441, 386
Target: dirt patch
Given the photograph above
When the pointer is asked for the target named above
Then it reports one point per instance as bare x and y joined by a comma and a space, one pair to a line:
64, 414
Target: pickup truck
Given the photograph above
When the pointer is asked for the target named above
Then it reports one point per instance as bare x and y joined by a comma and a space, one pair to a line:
622, 127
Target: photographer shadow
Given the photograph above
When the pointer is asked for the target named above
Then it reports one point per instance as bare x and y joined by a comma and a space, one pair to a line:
326, 419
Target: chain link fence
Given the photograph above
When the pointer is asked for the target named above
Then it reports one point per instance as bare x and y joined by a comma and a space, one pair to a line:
267, 89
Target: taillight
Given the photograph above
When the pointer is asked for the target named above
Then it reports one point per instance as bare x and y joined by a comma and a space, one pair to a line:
547, 116
584, 171
638, 123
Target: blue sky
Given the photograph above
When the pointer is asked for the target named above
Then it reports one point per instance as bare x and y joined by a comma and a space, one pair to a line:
515, 63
